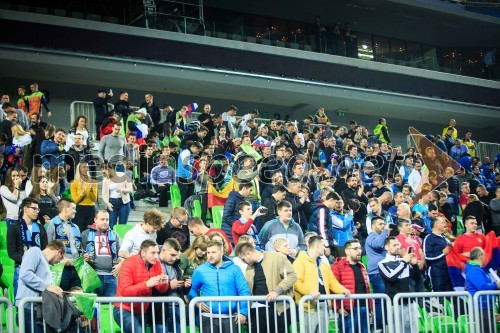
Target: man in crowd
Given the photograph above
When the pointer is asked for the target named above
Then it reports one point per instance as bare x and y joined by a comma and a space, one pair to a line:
35, 277
37, 100
321, 220
53, 150
354, 190
315, 278
162, 177
151, 108
283, 226
268, 274
376, 210
122, 106
101, 109
25, 234
351, 273
153, 220
231, 213
62, 228
271, 203
465, 242
298, 199
435, 251
111, 147
415, 175
185, 163
197, 228
77, 153
400, 275
376, 252
176, 228
220, 277
101, 246
139, 274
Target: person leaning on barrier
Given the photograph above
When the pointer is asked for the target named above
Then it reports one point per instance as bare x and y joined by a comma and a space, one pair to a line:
315, 278
270, 274
35, 277
220, 277
351, 273
476, 279
139, 274
400, 275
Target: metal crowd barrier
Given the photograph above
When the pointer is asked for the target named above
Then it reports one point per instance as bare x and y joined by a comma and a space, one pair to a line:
436, 312
224, 322
486, 305
112, 319
351, 314
6, 316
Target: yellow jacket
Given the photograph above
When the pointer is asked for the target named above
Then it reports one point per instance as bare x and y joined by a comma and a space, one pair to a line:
308, 279
79, 197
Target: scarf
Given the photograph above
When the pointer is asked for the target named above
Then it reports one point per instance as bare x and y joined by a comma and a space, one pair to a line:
111, 242
62, 236
35, 235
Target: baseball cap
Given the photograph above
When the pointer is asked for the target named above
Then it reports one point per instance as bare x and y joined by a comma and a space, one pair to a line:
142, 110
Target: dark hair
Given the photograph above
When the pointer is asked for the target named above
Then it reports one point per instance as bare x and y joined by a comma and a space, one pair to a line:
388, 240
402, 221
243, 204
354, 204
26, 203
172, 243
244, 185
282, 204
432, 207
314, 239
147, 244
279, 188
434, 220
377, 218
475, 253
351, 241
469, 217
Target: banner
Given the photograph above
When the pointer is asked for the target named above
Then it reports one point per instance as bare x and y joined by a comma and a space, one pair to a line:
218, 198
57, 271
85, 303
90, 280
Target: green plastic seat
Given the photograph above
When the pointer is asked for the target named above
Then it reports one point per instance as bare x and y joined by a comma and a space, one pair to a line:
121, 229
5, 260
444, 324
3, 236
196, 212
217, 212
107, 323
463, 324
175, 195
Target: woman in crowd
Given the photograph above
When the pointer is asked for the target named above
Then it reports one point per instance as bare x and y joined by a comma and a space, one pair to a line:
11, 195
84, 194
57, 182
80, 127
194, 256
476, 208
36, 173
215, 236
47, 202
116, 191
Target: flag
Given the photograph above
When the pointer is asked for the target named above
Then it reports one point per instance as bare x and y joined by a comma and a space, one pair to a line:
492, 251
249, 150
261, 142
218, 198
88, 276
57, 271
85, 303
190, 108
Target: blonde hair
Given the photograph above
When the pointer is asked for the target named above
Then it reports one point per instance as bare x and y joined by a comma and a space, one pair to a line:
155, 218
279, 242
472, 198
178, 212
200, 242
17, 131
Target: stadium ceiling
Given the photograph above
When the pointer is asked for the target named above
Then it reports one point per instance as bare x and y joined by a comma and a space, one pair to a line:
407, 20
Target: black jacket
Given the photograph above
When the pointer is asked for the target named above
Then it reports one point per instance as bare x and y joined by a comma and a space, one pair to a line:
15, 242
272, 210
153, 111
101, 109
123, 108
299, 209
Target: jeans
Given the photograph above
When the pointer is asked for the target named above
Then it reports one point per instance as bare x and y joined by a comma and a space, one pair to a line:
356, 321
70, 278
16, 279
378, 287
109, 285
27, 322
169, 328
163, 194
216, 325
120, 212
127, 318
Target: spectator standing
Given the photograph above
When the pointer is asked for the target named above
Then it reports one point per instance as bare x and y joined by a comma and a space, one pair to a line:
176, 228
101, 109
376, 252
489, 64
153, 221
52, 150
84, 194
35, 277
185, 164
458, 150
476, 208
268, 274
37, 100
320, 34
77, 152
151, 108
271, 203
315, 278
111, 148
244, 225
101, 246
230, 122
62, 228
321, 222
198, 228
122, 106
470, 239
230, 213
220, 277
382, 131
453, 131
108, 123
139, 274
435, 251
116, 190
25, 234
351, 273
495, 212
11, 195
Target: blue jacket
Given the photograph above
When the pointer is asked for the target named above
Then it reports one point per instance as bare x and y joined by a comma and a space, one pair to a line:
227, 280
321, 222
375, 250
230, 213
51, 154
275, 228
433, 250
476, 280
343, 227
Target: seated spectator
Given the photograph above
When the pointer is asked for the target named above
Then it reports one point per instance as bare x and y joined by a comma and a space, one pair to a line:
11, 195
162, 177
194, 256
245, 224
197, 228
116, 190
153, 221
176, 228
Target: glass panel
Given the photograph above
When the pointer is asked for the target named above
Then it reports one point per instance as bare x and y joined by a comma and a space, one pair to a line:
398, 50
365, 47
381, 48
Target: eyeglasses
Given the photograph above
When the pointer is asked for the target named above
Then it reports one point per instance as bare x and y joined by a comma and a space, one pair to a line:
35, 208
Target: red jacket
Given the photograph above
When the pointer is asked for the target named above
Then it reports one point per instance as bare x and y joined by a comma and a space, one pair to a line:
345, 275
132, 281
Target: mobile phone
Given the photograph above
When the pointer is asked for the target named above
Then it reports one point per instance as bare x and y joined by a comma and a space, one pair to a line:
410, 250
263, 209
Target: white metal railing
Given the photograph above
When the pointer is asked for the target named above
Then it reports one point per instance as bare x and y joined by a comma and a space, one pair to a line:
485, 318
487, 149
6, 316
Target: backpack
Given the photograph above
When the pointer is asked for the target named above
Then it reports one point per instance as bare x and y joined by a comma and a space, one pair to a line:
60, 314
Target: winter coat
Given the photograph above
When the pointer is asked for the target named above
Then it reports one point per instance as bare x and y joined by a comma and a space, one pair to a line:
321, 222
343, 272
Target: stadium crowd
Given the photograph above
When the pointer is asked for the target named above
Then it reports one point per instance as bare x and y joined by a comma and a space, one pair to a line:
304, 203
